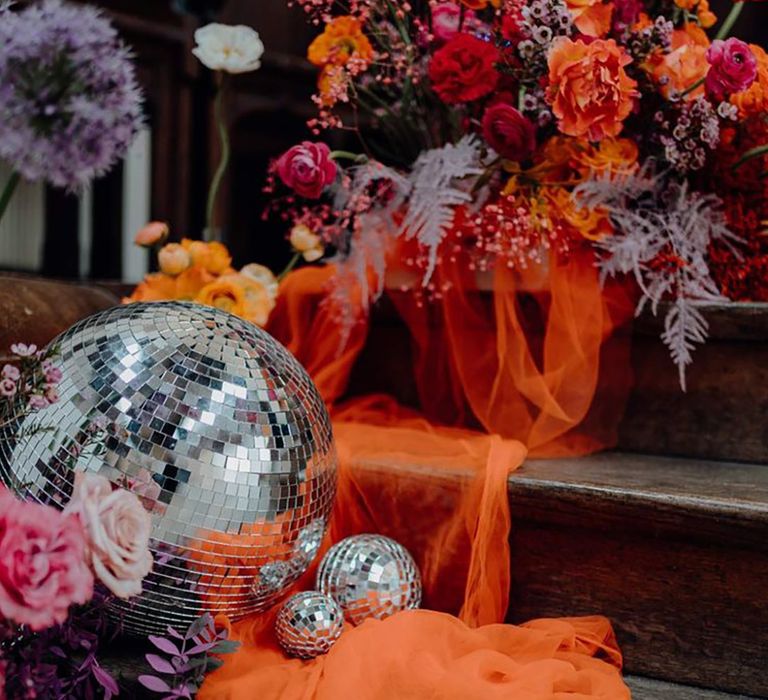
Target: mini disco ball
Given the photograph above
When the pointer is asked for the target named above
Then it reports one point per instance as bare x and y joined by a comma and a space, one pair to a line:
219, 431
370, 576
309, 624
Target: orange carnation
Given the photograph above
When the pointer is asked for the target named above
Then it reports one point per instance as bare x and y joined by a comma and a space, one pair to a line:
686, 63
754, 100
342, 41
591, 17
590, 92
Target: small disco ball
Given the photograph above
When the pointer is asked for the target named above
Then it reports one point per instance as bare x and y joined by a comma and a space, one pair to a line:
309, 624
370, 576
217, 429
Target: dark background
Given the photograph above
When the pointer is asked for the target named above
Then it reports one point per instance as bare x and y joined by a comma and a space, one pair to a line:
268, 111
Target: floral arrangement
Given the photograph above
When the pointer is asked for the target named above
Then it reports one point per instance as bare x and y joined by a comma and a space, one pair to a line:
60, 120
505, 132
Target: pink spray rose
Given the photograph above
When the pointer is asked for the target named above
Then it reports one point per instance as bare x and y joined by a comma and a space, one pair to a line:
307, 168
446, 20
43, 567
508, 132
7, 388
732, 67
11, 372
117, 528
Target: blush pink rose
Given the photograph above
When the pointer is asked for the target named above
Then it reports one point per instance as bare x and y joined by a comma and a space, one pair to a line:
43, 567
508, 132
307, 169
732, 67
117, 529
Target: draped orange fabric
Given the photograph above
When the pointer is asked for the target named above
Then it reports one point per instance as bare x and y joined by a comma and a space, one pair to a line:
441, 488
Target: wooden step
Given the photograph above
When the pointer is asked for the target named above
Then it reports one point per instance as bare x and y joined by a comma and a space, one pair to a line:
647, 689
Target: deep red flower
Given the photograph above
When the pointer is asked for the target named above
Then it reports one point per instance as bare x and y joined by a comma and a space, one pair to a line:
508, 132
464, 69
307, 168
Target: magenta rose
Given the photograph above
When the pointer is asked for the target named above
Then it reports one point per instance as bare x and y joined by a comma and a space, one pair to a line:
732, 67
307, 168
508, 132
447, 21
43, 567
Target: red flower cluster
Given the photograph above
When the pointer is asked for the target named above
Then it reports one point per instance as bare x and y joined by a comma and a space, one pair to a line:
464, 69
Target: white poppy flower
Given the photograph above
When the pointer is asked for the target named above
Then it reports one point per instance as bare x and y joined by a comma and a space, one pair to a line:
232, 49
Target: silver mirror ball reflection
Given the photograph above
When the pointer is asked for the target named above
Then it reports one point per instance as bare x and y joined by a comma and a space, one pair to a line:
220, 432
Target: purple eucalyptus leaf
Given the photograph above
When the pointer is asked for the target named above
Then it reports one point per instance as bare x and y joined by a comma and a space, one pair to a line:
106, 681
160, 664
165, 645
158, 685
200, 648
174, 633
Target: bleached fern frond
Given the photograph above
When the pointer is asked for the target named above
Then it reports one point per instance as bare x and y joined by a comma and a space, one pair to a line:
662, 235
441, 180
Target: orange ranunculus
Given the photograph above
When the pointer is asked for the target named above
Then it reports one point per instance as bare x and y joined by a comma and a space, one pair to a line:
560, 158
590, 223
223, 294
173, 259
590, 92
615, 155
754, 100
591, 17
213, 257
701, 9
240, 295
154, 287
191, 281
686, 63
260, 287
342, 41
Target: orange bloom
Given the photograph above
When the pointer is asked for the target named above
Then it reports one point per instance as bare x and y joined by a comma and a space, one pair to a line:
754, 100
152, 234
591, 94
240, 295
213, 257
191, 281
223, 294
686, 63
173, 259
155, 287
701, 9
615, 155
591, 17
480, 4
590, 223
342, 41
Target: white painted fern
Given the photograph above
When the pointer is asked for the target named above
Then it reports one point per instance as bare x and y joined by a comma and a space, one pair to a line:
662, 234
441, 180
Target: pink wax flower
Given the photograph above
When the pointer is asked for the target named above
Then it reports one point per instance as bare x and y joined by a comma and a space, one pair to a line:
37, 402
43, 566
508, 132
307, 168
24, 350
118, 531
7, 388
732, 67
52, 373
11, 372
446, 19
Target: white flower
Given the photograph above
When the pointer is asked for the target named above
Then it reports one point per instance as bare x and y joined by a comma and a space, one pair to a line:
117, 529
232, 49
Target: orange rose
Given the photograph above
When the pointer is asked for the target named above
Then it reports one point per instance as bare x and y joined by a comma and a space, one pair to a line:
240, 295
342, 41
590, 92
591, 17
213, 257
155, 287
686, 63
223, 294
754, 100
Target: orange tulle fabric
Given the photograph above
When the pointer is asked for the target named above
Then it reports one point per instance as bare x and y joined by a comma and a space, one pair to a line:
524, 369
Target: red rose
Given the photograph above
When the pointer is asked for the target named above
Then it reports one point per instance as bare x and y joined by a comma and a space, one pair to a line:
464, 69
508, 132
307, 168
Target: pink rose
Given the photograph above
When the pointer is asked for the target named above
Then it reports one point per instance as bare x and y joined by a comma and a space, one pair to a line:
11, 372
43, 566
732, 67
153, 234
117, 529
7, 388
446, 19
307, 168
508, 132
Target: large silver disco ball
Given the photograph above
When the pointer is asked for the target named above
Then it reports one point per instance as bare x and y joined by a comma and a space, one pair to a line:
217, 428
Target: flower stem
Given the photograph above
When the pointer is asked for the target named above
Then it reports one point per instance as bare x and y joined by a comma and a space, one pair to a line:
730, 20
752, 153
218, 110
691, 88
291, 264
348, 155
8, 190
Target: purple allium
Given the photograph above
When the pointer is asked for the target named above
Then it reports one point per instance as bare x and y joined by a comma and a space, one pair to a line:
70, 104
